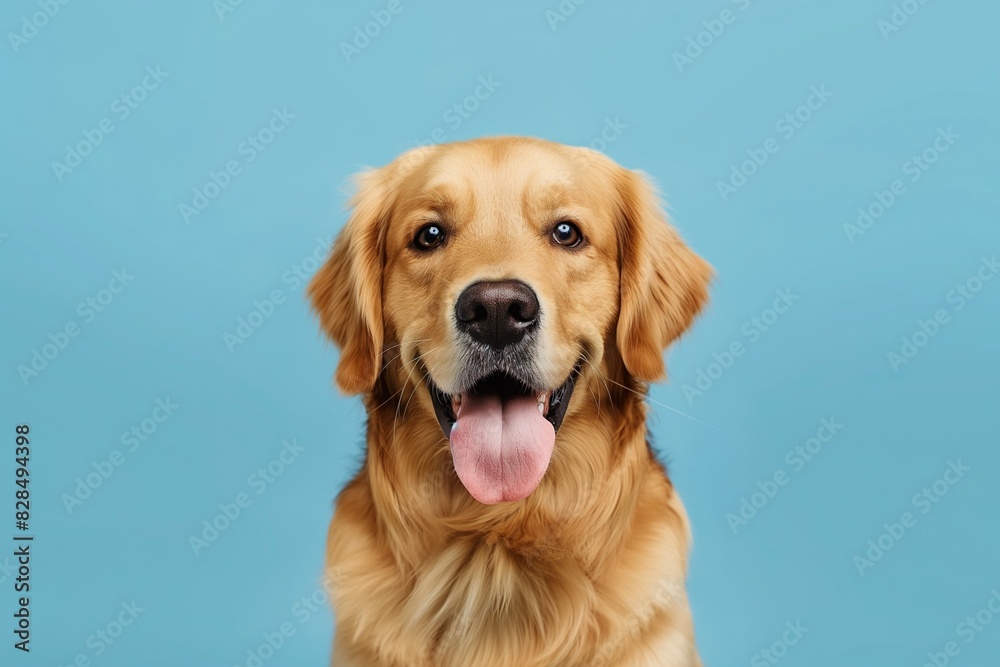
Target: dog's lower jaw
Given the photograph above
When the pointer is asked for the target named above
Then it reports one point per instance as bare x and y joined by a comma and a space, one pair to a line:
422, 575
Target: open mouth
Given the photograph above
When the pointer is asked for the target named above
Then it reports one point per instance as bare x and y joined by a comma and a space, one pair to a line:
550, 404
502, 433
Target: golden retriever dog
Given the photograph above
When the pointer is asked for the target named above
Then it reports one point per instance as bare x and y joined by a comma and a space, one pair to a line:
500, 305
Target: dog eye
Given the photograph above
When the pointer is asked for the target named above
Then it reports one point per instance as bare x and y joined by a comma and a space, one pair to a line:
429, 237
567, 234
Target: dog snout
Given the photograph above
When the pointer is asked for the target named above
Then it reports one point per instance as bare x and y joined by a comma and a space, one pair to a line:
497, 313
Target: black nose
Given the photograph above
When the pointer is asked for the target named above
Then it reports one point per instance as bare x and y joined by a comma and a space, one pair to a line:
497, 313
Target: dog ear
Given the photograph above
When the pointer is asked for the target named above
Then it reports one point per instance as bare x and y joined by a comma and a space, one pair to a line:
346, 291
663, 282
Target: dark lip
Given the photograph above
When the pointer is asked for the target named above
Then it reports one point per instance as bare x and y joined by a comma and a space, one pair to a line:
558, 401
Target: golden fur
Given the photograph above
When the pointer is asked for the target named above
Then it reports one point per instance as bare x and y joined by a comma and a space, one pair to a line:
587, 570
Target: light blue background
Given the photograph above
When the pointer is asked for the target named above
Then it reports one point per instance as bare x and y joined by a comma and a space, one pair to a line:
825, 357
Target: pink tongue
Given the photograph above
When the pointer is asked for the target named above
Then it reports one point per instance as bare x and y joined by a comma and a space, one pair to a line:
501, 448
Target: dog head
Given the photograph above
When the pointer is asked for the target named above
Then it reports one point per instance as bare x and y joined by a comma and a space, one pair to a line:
493, 274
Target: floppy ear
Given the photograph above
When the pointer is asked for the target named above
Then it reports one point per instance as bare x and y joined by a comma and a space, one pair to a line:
663, 282
346, 292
